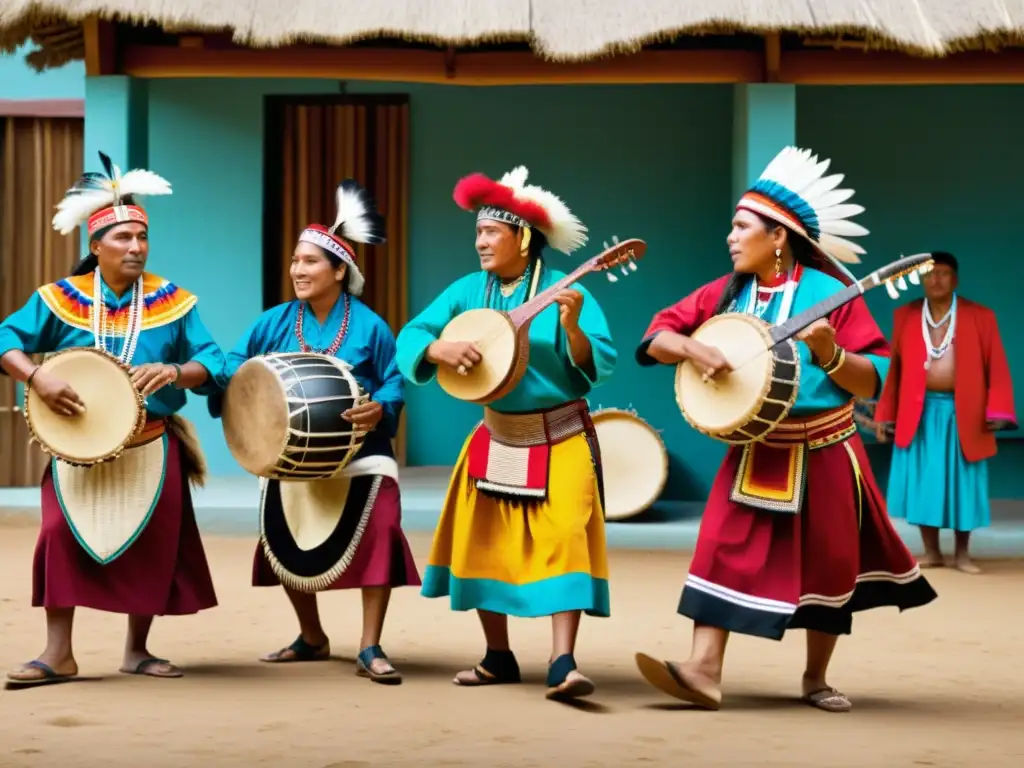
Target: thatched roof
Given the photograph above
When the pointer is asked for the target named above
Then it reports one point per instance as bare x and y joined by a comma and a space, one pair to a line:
562, 30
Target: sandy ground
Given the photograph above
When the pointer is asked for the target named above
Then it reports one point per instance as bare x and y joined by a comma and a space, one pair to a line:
939, 686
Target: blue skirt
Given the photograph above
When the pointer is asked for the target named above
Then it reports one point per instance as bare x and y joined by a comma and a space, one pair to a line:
930, 482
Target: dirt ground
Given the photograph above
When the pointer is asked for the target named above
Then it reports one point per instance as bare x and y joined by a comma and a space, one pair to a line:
939, 686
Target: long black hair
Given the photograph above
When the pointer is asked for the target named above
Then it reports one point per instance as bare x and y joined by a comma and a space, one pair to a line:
801, 248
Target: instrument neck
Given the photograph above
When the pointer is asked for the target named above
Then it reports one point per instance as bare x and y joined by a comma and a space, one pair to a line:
797, 323
523, 314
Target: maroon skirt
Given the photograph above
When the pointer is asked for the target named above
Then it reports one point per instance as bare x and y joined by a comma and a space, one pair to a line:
163, 573
760, 573
383, 558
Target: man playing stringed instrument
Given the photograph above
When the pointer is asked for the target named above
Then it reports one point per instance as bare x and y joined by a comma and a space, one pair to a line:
522, 528
111, 303
795, 533
948, 392
366, 548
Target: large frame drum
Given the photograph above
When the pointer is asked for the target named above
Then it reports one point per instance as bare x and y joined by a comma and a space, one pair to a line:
282, 416
634, 462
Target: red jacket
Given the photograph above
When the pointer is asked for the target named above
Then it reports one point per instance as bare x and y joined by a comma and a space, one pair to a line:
983, 391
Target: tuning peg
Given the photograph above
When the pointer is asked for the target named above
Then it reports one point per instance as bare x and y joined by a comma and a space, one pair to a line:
915, 278
902, 283
624, 270
632, 266
611, 278
891, 290
606, 246
615, 239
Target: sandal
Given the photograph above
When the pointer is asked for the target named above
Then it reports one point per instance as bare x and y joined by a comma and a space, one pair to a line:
47, 675
828, 699
559, 684
364, 666
301, 650
667, 679
505, 670
145, 667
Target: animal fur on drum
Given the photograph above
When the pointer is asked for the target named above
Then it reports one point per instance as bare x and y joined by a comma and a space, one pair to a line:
193, 462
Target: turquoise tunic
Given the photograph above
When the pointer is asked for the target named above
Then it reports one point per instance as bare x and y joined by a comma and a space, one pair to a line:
368, 346
56, 317
817, 392
552, 377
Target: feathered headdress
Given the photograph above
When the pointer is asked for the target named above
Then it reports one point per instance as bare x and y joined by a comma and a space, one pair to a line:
357, 221
99, 198
514, 202
794, 191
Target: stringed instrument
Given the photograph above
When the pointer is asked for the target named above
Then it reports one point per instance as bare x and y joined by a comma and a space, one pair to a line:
746, 404
503, 337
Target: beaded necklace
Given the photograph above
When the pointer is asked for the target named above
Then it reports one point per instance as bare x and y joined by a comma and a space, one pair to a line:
936, 352
98, 317
336, 345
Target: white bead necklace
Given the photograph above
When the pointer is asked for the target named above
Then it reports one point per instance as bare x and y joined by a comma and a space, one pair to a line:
98, 310
936, 352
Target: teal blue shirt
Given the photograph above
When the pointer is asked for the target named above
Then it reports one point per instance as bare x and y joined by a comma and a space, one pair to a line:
817, 391
552, 377
56, 317
368, 346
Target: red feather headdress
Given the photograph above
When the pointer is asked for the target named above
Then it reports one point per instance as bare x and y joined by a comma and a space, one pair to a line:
514, 202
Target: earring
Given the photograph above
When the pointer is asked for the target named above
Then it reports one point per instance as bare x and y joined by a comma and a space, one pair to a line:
778, 262
524, 246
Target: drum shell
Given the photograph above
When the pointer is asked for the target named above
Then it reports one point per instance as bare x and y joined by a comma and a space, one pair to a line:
314, 391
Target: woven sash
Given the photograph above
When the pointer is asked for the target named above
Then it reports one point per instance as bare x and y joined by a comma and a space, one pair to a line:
109, 505
509, 454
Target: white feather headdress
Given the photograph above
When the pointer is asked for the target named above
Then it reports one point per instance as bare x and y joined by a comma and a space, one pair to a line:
794, 190
514, 201
357, 221
96, 192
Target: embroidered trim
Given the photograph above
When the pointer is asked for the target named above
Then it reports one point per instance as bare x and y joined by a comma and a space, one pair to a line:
163, 303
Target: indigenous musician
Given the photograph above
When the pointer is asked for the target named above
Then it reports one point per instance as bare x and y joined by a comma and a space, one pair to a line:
111, 303
522, 528
329, 318
794, 534
948, 392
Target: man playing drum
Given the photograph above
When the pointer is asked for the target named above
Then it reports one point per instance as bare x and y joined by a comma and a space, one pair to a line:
329, 318
522, 528
112, 304
794, 534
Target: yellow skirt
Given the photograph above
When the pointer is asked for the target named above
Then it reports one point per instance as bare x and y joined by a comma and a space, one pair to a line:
524, 558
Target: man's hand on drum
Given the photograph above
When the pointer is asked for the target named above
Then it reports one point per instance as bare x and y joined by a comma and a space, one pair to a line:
709, 360
460, 355
365, 416
150, 377
58, 395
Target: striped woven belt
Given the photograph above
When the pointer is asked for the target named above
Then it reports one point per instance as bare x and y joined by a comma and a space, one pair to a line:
153, 429
818, 431
547, 427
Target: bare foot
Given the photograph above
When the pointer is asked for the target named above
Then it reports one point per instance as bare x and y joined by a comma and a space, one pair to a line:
684, 681
43, 668
932, 560
965, 565
144, 663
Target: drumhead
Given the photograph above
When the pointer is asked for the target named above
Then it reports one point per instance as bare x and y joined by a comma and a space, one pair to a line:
255, 416
634, 462
727, 403
112, 407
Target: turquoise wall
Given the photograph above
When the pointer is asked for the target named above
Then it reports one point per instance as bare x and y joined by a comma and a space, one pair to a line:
19, 81
933, 167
